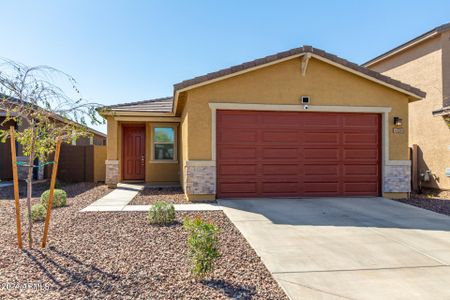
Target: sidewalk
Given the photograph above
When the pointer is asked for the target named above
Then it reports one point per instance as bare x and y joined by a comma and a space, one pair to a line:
117, 199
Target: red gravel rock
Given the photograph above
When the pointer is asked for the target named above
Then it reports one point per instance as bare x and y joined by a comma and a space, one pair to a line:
150, 195
118, 255
434, 200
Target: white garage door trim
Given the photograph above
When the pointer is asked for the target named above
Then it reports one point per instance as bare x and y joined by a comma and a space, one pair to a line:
384, 111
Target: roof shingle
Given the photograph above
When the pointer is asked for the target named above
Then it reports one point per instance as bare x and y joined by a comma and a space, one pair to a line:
151, 105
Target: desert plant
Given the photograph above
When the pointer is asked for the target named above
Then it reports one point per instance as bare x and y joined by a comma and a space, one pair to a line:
59, 198
46, 106
38, 212
203, 246
161, 213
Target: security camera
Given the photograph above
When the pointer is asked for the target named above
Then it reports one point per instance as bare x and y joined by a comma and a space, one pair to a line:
305, 107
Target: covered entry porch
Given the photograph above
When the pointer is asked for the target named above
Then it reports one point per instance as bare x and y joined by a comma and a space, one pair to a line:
143, 148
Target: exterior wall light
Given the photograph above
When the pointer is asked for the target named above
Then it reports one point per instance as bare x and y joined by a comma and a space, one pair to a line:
398, 121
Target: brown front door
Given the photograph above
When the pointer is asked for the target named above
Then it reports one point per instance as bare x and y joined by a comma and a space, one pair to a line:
133, 148
289, 154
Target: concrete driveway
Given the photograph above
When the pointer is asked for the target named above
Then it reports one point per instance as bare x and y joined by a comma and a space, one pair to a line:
348, 248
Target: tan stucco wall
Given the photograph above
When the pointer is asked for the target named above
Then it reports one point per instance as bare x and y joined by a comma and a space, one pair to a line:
283, 83
183, 149
422, 67
99, 163
112, 141
445, 43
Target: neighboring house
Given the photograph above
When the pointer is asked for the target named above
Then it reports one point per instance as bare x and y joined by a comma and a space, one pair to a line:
425, 63
97, 138
246, 131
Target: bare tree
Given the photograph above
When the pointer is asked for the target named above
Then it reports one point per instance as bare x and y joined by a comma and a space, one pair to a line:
30, 94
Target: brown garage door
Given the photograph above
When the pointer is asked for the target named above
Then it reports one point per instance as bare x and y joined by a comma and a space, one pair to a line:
285, 154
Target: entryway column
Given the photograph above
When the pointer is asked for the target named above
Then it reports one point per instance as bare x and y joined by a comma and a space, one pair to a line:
112, 159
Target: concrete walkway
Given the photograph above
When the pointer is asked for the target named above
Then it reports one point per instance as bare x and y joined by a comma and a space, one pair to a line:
119, 198
366, 248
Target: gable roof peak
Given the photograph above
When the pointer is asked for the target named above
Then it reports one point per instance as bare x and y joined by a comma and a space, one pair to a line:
320, 54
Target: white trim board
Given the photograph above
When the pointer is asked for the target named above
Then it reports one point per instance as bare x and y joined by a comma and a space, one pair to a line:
384, 111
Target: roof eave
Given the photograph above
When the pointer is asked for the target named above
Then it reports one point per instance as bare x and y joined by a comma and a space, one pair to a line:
399, 49
106, 113
411, 43
444, 111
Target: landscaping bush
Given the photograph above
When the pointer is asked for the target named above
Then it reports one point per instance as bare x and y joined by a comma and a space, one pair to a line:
59, 198
38, 212
203, 246
162, 213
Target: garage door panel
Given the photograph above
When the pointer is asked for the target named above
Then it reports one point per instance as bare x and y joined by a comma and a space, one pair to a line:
361, 121
311, 170
361, 139
279, 154
270, 152
267, 120
240, 120
281, 137
280, 188
239, 187
279, 169
320, 138
237, 153
360, 154
321, 187
238, 169
321, 153
361, 170
360, 178
233, 136
322, 179
315, 121
360, 188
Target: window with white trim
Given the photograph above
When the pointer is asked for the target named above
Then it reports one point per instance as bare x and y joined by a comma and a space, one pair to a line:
164, 148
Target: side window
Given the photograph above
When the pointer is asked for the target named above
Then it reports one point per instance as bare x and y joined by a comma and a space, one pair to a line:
164, 143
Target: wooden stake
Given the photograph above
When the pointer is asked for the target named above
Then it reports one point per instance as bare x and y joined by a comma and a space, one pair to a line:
52, 189
16, 185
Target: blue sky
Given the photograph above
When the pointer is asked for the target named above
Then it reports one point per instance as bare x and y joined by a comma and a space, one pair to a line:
123, 51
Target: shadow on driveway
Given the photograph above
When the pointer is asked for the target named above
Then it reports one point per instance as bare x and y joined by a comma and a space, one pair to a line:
353, 212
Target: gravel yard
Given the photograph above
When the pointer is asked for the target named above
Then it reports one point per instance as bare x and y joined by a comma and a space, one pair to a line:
118, 255
437, 201
150, 195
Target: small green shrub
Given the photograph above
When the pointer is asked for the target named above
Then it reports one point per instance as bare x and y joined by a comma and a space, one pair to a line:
161, 213
38, 212
59, 198
203, 246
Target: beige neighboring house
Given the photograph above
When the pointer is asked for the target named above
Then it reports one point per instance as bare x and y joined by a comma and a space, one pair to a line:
302, 122
424, 62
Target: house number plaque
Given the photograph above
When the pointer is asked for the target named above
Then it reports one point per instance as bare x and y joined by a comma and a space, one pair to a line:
399, 130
